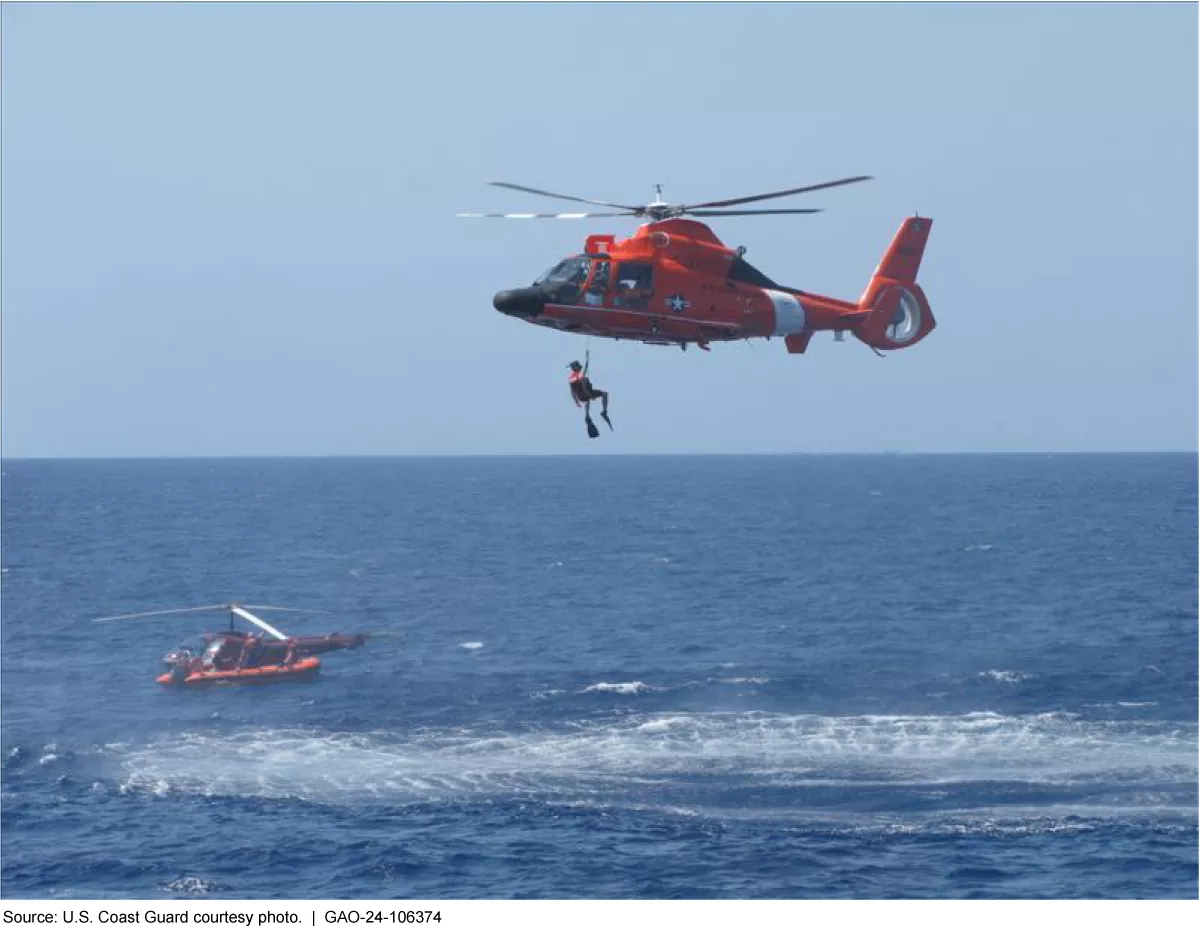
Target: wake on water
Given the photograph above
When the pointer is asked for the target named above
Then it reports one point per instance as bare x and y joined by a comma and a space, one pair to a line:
723, 765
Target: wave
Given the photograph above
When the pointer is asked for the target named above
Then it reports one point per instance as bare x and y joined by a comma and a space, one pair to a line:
638, 687
1004, 676
191, 886
627, 689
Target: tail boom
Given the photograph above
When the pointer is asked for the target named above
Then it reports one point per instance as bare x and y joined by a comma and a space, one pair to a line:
892, 313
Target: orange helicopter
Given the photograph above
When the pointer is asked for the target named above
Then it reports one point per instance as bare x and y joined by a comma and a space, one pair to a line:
673, 282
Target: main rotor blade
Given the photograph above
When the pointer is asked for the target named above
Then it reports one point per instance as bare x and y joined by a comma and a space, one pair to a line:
779, 193
558, 196
238, 610
537, 215
749, 212
220, 607
283, 609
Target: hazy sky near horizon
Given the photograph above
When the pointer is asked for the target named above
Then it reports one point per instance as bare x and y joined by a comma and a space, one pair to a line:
229, 228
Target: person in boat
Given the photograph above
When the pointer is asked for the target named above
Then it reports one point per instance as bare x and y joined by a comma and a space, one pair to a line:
583, 391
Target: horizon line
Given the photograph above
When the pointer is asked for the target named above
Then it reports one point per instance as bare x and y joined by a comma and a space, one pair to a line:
574, 454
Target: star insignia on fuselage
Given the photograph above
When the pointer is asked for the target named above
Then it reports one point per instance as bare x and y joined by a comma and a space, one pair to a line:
677, 303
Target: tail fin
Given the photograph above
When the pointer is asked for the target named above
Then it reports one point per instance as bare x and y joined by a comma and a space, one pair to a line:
899, 311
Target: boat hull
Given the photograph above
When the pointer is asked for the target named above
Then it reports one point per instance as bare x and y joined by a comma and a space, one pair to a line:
301, 671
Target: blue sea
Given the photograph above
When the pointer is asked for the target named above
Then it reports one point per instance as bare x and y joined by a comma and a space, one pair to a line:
783, 677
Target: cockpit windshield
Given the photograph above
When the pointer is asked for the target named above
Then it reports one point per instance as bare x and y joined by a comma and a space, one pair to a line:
571, 271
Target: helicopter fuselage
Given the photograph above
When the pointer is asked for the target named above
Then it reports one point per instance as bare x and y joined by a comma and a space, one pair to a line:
675, 283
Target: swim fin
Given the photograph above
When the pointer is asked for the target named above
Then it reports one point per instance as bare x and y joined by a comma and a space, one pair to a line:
604, 416
592, 431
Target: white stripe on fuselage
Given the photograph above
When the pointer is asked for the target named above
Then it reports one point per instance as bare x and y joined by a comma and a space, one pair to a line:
789, 314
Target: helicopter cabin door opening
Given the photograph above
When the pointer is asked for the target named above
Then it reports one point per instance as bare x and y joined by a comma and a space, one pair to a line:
635, 284
596, 291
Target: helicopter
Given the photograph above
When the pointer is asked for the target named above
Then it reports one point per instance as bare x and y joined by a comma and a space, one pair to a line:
236, 656
674, 282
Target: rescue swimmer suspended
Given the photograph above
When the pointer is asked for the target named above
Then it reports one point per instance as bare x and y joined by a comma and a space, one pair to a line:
673, 282
583, 392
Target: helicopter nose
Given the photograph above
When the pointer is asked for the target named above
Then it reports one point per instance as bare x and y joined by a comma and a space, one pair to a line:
524, 303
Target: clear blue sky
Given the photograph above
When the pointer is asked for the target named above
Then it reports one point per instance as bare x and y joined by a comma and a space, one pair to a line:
228, 229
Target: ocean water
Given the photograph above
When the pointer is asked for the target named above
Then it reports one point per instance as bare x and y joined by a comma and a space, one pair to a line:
616, 677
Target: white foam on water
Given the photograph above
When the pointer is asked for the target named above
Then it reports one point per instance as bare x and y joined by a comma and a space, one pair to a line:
603, 758
1007, 821
192, 885
1004, 676
471, 645
627, 689
546, 694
